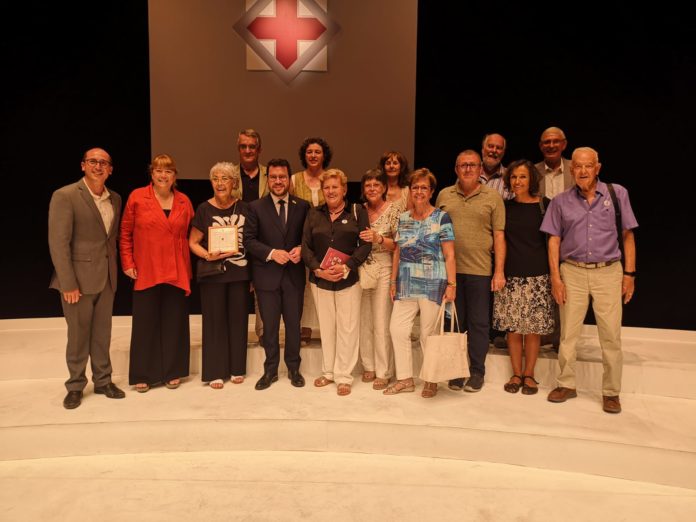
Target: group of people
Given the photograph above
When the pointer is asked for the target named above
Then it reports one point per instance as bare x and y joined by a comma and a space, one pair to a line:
513, 248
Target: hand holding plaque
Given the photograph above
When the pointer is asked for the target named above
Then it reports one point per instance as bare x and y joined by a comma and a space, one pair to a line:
223, 240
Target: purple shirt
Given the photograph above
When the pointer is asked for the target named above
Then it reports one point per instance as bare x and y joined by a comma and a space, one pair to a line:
588, 232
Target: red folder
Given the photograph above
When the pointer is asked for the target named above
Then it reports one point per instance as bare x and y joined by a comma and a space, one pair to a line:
333, 257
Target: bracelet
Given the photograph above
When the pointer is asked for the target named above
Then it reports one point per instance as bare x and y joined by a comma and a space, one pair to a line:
630, 274
453, 284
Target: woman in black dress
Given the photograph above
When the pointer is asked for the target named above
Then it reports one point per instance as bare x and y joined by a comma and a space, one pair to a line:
524, 307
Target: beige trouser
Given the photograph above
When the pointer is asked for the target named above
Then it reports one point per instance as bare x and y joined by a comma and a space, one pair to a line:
603, 285
403, 315
376, 353
339, 323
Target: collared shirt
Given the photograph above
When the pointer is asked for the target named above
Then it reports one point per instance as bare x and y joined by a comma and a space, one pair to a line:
343, 234
588, 231
276, 199
497, 182
553, 180
484, 177
106, 209
474, 217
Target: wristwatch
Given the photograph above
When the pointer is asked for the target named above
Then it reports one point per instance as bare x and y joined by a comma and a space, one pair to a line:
631, 274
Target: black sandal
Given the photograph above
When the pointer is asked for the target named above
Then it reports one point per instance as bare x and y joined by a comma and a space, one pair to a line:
529, 390
513, 387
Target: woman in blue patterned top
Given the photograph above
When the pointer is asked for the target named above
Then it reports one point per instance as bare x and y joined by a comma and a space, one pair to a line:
423, 275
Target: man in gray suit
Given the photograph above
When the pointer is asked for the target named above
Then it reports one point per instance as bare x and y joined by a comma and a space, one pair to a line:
83, 223
555, 172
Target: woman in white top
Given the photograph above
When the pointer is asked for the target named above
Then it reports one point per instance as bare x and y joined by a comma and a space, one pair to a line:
376, 355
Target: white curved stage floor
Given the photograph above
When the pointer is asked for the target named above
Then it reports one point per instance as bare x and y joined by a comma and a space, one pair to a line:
307, 454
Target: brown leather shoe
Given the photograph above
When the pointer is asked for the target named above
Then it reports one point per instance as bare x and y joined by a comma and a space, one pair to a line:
562, 394
611, 403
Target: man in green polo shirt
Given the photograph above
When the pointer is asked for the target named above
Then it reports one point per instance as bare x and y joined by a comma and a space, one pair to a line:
478, 218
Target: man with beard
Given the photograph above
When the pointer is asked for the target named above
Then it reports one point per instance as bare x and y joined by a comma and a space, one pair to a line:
273, 238
492, 152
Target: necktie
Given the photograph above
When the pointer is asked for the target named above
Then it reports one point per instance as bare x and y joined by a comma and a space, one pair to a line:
281, 211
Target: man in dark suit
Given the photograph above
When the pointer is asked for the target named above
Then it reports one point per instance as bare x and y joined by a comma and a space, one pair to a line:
82, 230
272, 237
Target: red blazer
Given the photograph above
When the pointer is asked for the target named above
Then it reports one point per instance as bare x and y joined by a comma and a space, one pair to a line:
156, 246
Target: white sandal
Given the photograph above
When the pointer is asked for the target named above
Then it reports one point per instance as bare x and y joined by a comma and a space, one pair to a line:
217, 384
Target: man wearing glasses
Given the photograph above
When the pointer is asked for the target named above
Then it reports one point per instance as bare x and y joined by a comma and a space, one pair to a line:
273, 236
83, 223
254, 178
556, 175
478, 218
253, 174
585, 258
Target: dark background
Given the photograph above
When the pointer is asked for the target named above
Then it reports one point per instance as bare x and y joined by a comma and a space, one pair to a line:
620, 79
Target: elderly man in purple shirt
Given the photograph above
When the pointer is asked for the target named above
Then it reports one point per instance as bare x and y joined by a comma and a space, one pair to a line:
585, 262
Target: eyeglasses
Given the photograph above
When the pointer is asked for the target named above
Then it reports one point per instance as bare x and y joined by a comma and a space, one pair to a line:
420, 188
468, 166
590, 166
248, 146
93, 162
223, 179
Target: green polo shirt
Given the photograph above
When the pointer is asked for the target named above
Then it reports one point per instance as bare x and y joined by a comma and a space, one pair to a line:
474, 219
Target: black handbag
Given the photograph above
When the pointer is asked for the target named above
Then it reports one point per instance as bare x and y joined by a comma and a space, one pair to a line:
210, 268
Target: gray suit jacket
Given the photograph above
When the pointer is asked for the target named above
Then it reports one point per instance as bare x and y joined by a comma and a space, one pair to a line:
568, 180
83, 252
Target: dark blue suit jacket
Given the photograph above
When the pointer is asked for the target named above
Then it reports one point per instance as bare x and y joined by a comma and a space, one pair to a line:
264, 232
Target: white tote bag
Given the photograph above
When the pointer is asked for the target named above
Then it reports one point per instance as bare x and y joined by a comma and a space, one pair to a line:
445, 355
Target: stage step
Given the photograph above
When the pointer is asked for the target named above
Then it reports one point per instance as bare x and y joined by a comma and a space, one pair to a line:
656, 362
651, 441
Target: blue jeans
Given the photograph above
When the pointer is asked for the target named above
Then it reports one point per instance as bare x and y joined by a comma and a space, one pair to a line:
472, 302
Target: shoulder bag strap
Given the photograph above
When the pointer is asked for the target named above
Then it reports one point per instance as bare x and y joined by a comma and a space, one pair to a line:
617, 215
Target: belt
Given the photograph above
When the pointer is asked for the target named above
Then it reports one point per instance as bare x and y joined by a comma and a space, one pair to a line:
591, 265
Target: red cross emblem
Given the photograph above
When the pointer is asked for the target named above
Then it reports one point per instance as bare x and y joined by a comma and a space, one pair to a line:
286, 34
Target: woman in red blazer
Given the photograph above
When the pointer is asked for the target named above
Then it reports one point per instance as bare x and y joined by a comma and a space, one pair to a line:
155, 254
